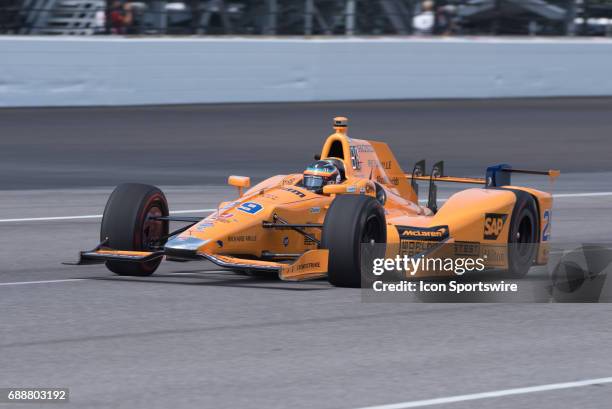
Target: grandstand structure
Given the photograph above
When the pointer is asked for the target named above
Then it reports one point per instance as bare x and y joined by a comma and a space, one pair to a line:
307, 17
69, 17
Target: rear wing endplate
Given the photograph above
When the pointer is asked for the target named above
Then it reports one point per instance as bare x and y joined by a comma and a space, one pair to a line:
500, 175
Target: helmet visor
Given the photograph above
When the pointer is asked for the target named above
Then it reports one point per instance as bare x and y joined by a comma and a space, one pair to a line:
313, 182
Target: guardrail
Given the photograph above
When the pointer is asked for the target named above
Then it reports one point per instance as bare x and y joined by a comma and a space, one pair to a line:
69, 71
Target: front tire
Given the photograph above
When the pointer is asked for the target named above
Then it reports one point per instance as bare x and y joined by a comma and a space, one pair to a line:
350, 221
127, 225
523, 236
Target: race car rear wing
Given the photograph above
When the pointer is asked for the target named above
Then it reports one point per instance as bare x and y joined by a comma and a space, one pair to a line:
498, 175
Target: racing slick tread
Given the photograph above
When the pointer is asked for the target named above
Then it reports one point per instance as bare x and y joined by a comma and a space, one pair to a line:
122, 224
343, 230
524, 224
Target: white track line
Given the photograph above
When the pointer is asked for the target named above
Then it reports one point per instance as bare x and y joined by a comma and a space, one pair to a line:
90, 216
556, 196
45, 219
68, 280
583, 194
43, 282
98, 216
193, 211
492, 394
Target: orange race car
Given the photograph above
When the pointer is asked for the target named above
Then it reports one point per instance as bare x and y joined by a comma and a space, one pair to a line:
315, 223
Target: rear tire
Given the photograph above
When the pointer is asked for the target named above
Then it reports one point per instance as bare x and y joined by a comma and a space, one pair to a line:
350, 221
523, 236
126, 224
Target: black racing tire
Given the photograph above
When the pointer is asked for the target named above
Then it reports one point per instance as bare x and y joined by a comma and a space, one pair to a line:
523, 235
350, 221
126, 225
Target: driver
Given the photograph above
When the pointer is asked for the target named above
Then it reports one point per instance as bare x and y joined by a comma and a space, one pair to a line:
322, 173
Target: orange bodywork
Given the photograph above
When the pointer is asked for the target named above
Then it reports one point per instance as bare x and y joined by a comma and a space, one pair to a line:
235, 235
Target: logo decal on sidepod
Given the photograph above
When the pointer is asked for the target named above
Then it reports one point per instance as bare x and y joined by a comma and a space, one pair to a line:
493, 225
435, 233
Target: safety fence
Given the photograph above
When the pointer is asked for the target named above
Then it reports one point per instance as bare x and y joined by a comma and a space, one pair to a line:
307, 17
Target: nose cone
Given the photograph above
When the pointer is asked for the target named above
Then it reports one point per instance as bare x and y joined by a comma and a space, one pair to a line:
184, 246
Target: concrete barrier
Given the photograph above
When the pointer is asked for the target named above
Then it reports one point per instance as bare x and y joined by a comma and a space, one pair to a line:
68, 71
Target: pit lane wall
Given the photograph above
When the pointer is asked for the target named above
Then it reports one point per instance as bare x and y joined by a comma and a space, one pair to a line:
94, 71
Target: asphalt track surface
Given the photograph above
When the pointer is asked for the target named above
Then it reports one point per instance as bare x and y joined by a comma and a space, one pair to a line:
194, 336
195, 145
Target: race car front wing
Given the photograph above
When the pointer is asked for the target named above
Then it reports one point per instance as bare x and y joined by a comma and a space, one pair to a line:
309, 265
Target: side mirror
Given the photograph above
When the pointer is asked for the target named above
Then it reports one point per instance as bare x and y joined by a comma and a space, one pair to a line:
241, 182
317, 156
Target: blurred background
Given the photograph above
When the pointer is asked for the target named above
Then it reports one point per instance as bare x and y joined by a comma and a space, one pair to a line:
308, 17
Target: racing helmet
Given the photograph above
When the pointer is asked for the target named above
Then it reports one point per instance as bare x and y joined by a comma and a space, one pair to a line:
339, 164
321, 173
